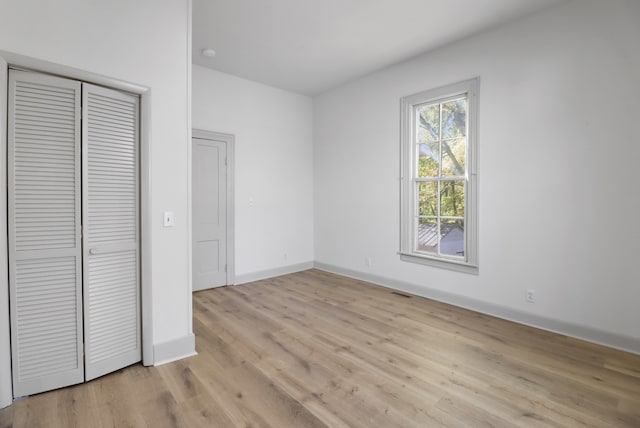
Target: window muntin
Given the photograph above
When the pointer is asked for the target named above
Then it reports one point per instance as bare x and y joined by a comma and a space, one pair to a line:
438, 203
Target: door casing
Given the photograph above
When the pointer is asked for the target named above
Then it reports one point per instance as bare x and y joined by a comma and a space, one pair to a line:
7, 60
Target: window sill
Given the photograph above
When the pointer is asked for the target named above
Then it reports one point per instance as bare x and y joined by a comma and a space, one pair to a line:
440, 263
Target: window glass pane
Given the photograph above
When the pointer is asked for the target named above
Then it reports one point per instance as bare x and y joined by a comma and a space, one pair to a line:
427, 235
428, 199
452, 237
454, 119
428, 157
428, 120
452, 198
454, 157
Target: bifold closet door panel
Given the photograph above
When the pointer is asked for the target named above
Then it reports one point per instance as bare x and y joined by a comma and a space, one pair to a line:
45, 267
111, 232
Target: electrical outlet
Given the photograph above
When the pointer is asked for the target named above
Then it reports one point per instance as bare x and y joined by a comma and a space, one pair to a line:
531, 296
285, 256
367, 261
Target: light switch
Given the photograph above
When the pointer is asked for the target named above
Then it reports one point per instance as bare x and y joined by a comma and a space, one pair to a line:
169, 219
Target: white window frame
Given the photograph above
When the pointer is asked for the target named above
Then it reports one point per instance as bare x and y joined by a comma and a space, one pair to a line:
408, 181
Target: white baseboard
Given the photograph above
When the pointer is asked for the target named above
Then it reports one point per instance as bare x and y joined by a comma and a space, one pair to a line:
270, 273
173, 350
612, 340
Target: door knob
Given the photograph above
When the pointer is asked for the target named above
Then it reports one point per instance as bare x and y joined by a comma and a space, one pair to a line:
92, 251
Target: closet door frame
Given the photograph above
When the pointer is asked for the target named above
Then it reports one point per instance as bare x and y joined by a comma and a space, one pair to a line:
11, 60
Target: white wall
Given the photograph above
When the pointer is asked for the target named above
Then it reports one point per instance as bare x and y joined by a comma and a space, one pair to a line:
558, 171
273, 166
144, 42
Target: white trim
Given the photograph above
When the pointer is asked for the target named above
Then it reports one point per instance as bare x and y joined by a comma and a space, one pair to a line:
590, 334
146, 227
20, 61
270, 273
229, 139
6, 393
174, 350
189, 184
29, 63
231, 210
408, 209
441, 263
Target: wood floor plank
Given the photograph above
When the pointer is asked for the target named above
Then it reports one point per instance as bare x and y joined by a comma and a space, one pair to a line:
313, 349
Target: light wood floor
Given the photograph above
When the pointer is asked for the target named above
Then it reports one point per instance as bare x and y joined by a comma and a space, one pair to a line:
318, 350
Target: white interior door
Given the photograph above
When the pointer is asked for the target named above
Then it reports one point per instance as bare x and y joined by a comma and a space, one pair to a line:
209, 187
111, 230
44, 232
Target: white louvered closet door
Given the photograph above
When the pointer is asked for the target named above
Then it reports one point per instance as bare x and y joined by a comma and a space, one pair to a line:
44, 232
111, 233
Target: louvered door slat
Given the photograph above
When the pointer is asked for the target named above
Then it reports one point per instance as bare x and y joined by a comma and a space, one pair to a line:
110, 204
44, 232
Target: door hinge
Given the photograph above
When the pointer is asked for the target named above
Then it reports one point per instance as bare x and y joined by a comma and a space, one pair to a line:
225, 161
225, 268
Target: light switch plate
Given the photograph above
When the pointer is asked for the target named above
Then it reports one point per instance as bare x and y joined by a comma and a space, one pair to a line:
169, 219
